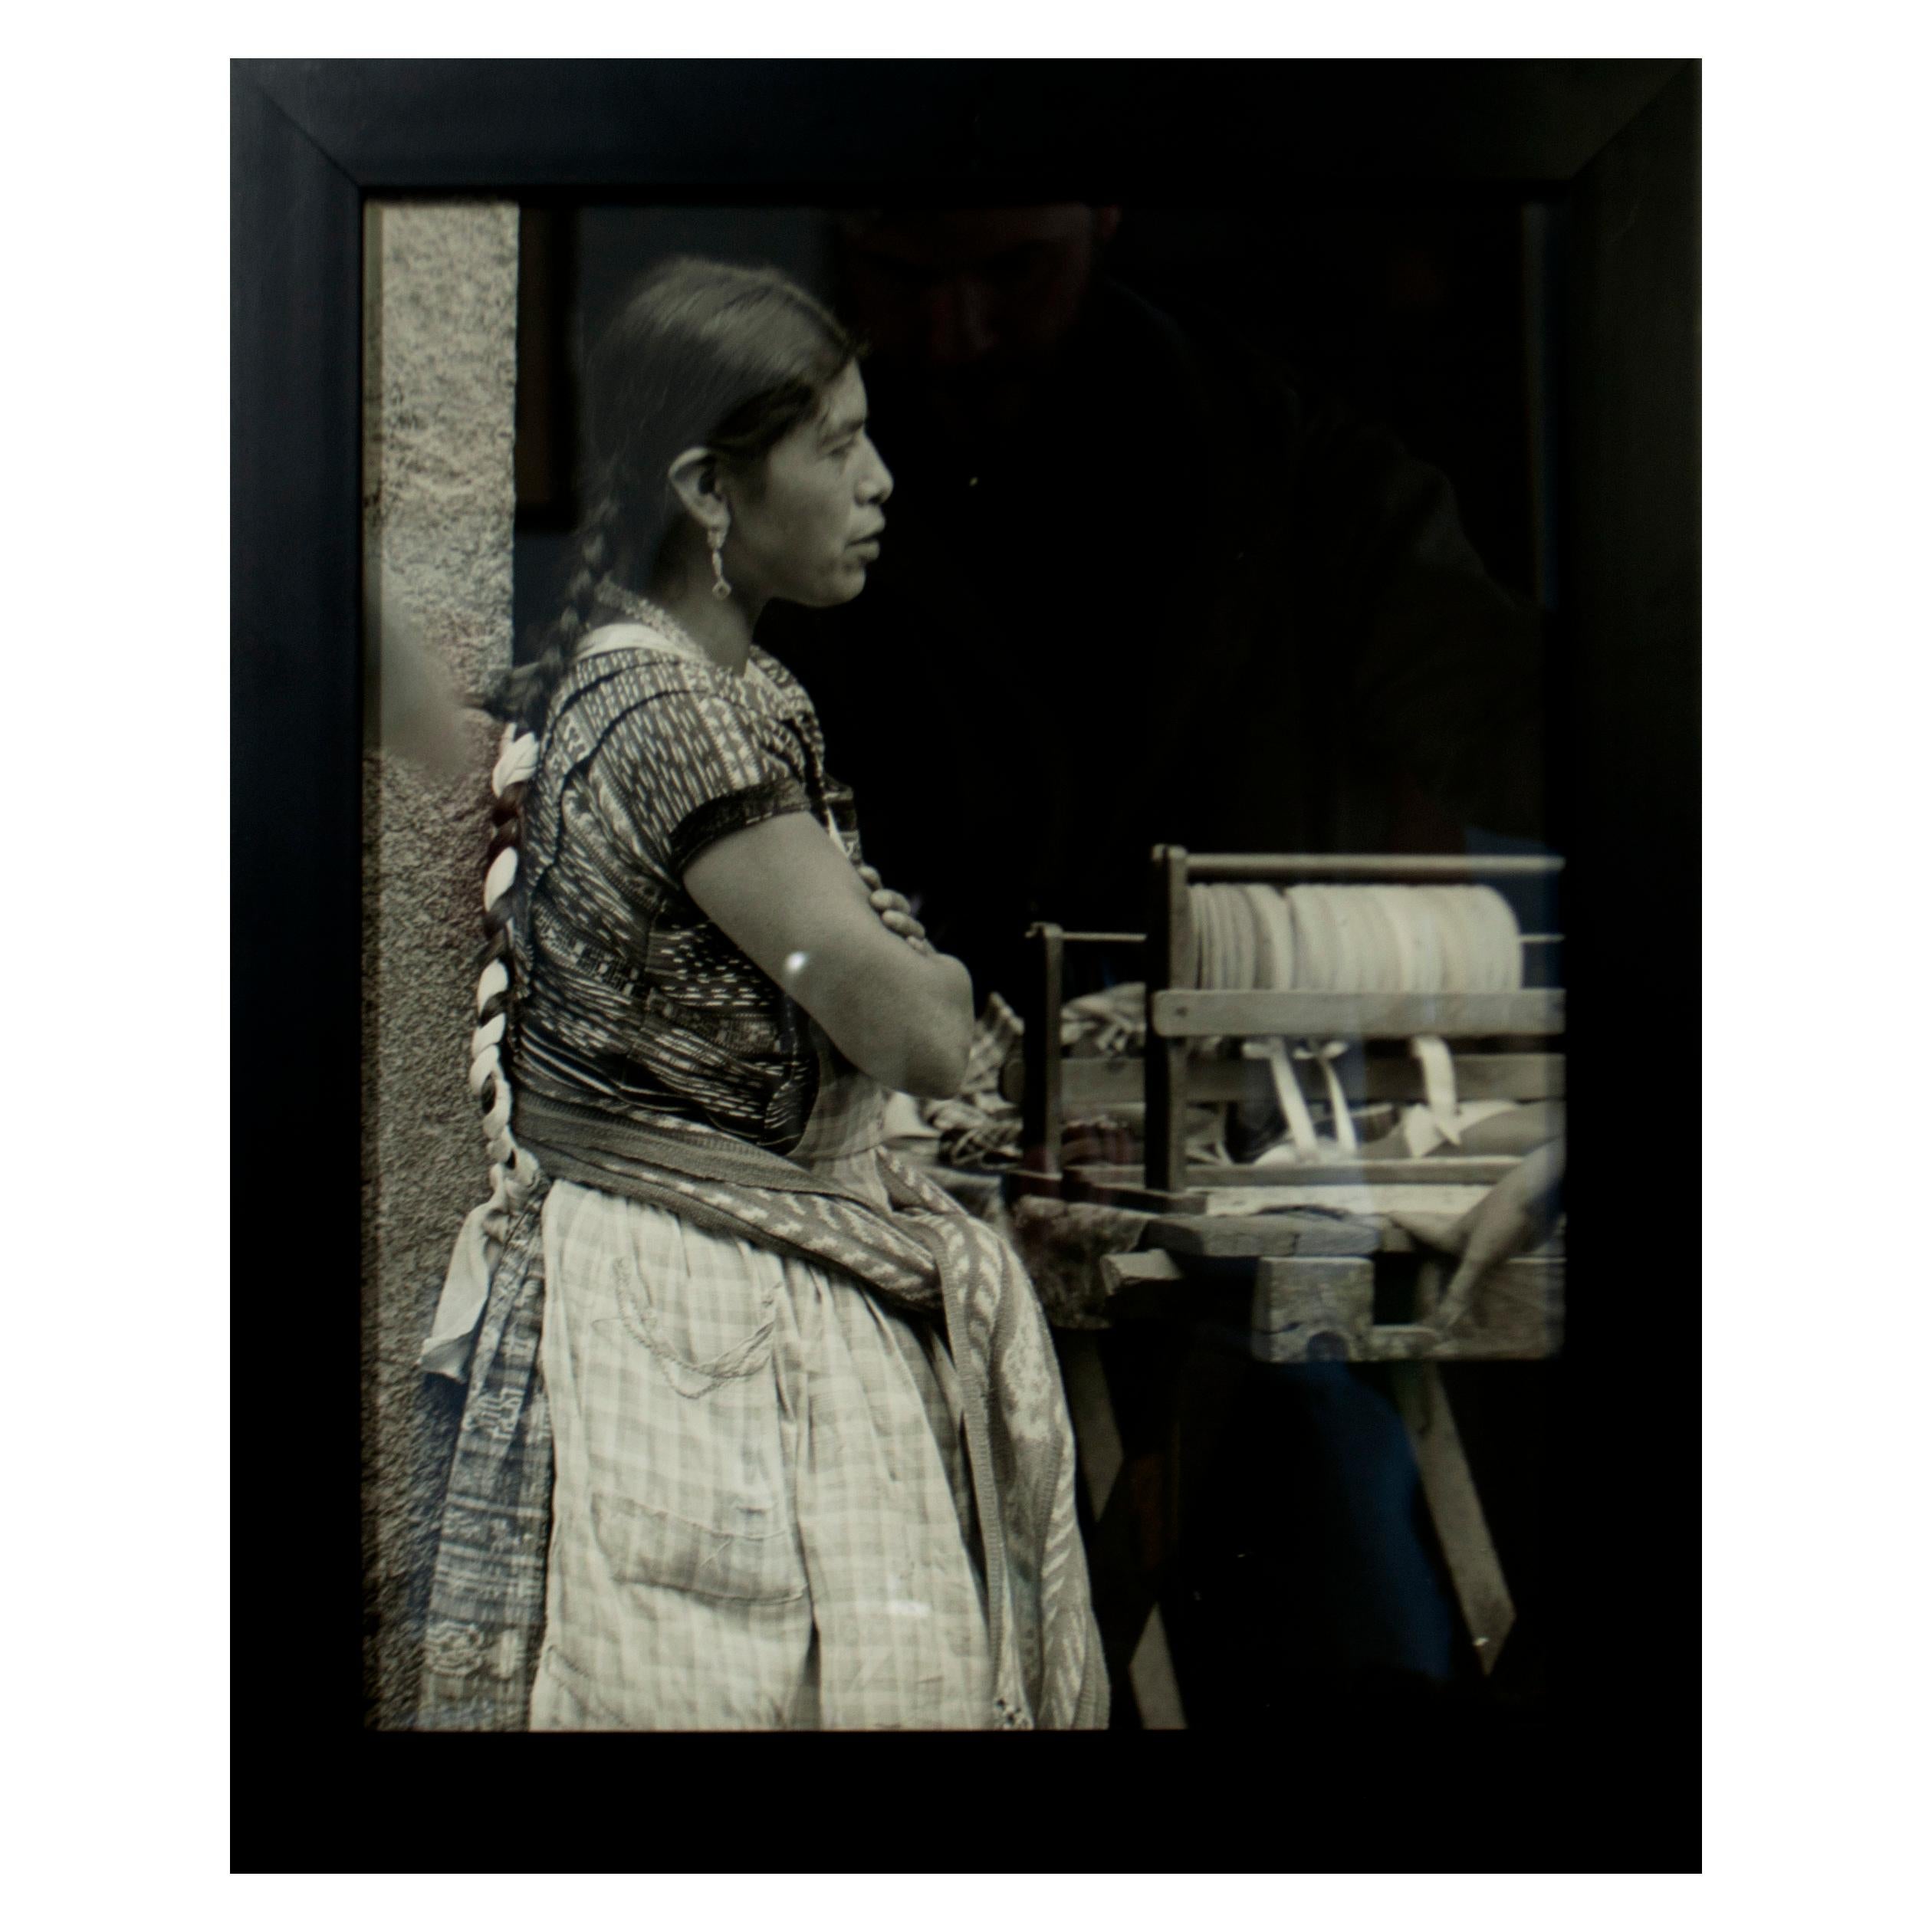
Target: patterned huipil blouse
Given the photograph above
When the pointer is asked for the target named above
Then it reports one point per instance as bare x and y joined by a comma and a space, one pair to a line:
630, 1000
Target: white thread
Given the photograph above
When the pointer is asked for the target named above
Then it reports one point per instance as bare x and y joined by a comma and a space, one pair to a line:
501, 877
1356, 939
1503, 950
1325, 1054
1438, 1083
516, 763
495, 979
1288, 1094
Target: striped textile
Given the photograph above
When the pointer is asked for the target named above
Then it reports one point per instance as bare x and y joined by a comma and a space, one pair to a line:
486, 1605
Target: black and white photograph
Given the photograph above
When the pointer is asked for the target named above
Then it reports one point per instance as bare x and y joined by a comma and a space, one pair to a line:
963, 920
980, 762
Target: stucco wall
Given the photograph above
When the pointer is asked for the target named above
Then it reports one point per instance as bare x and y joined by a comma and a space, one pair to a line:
438, 503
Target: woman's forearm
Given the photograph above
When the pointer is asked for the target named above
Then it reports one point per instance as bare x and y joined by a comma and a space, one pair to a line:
797, 906
937, 1069
911, 1028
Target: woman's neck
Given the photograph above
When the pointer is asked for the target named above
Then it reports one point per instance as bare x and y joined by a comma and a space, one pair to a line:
722, 625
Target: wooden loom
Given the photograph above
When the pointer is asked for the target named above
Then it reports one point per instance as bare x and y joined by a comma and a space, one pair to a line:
1326, 1285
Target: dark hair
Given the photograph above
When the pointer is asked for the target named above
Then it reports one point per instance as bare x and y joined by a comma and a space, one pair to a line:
700, 353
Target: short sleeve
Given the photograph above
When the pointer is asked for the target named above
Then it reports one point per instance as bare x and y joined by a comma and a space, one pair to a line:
687, 766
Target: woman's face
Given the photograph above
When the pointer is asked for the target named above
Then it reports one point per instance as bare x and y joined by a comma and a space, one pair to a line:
807, 528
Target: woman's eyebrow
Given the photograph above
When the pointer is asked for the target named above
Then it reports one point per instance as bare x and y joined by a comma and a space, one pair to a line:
832, 432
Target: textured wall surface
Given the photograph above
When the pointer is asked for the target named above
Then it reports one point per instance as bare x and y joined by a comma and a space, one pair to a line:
438, 503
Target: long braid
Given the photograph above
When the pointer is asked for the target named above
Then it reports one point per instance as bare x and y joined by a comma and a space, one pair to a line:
533, 685
514, 1173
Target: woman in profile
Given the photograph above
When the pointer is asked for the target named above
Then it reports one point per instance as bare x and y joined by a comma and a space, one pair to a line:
761, 1430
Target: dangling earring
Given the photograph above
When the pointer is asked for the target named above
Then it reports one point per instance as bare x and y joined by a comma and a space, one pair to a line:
720, 589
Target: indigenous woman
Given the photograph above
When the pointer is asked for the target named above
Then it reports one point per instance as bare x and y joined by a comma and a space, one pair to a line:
761, 1430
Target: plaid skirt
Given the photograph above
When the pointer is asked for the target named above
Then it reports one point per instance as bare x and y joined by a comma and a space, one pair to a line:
763, 1513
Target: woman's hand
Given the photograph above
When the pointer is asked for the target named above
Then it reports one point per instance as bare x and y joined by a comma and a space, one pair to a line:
894, 908
1516, 1214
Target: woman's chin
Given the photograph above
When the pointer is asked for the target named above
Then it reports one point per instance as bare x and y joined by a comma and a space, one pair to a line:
843, 582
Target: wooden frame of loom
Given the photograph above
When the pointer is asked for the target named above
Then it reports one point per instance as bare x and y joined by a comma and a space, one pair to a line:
1315, 1287
1179, 1012
1317, 1277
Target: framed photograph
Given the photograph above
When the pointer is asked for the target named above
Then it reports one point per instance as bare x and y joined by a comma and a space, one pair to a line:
1223, 540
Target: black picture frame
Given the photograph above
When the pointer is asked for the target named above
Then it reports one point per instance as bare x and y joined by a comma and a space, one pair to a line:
1615, 143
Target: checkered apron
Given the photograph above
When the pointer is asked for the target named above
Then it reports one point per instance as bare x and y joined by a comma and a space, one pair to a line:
758, 1379
761, 1494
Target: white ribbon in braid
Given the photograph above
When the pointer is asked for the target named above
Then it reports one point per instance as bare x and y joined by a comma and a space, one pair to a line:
513, 1173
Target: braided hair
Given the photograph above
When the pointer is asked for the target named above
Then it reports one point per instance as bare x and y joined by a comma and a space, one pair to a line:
700, 354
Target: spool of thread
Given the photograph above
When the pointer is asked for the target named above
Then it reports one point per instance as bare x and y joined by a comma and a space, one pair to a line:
1390, 939
1355, 939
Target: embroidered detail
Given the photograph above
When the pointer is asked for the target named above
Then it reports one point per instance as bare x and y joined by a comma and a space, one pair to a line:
495, 1414
693, 1379
454, 1649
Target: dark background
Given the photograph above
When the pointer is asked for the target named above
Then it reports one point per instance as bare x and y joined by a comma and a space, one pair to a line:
1436, 317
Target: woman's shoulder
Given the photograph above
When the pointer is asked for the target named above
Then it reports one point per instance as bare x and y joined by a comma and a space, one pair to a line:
634, 654
784, 685
617, 674
648, 721
627, 709
631, 662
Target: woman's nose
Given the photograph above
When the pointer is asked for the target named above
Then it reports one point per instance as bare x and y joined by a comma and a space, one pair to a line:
878, 485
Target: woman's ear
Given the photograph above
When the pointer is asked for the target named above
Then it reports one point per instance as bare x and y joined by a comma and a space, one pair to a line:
694, 476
